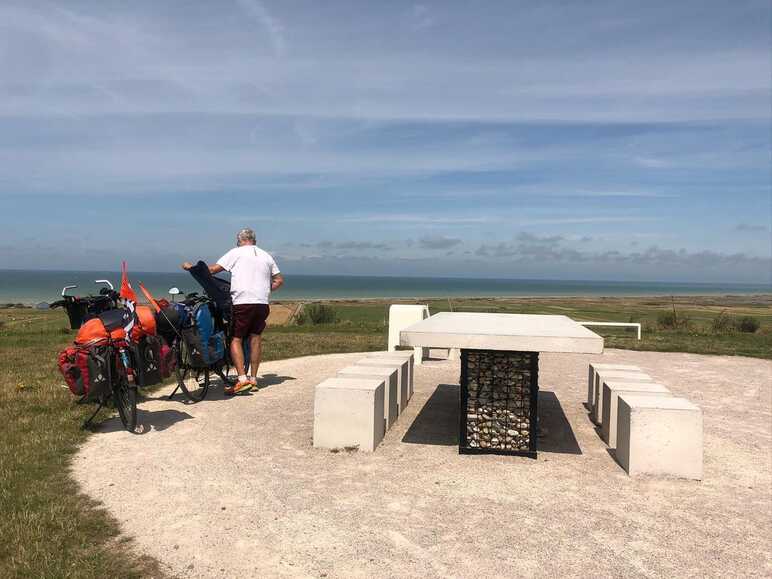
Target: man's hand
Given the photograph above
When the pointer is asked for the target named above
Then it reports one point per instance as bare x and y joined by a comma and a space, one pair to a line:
276, 282
187, 265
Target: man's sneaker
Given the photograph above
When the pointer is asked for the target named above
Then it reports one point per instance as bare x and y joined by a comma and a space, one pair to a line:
253, 380
240, 387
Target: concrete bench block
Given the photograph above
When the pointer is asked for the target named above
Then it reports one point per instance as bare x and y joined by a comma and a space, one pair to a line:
390, 376
400, 355
659, 435
594, 366
404, 375
611, 391
348, 412
621, 375
402, 316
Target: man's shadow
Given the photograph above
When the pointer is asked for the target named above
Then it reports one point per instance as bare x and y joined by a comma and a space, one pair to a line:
267, 380
438, 422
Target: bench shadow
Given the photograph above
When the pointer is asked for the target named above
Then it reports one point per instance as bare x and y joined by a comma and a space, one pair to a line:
437, 422
612, 452
146, 421
555, 432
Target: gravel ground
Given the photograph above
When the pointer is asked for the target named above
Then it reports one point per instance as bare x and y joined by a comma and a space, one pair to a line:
233, 487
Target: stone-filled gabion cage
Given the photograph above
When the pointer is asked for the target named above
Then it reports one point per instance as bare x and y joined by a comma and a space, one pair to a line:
498, 402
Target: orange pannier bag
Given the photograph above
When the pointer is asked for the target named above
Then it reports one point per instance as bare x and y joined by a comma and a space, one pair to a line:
94, 331
145, 325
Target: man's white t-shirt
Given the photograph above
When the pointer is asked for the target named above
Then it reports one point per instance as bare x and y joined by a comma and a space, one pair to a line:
251, 270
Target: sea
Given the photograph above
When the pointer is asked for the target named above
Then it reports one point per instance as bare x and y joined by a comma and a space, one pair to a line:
33, 287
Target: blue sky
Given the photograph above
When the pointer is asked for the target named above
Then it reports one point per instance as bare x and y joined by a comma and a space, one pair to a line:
593, 140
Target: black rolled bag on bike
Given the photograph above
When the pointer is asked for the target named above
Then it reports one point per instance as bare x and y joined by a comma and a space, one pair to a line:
217, 289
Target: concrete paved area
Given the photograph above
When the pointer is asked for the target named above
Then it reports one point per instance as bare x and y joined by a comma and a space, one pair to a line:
233, 487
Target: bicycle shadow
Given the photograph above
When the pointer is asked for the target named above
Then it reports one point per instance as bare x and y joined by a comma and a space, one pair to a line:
217, 390
147, 421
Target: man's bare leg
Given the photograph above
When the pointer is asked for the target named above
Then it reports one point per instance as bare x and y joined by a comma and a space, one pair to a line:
237, 355
255, 352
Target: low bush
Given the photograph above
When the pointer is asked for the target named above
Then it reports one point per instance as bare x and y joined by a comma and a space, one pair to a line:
315, 314
670, 320
749, 325
723, 324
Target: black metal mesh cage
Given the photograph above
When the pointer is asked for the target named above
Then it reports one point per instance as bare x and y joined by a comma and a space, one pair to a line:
498, 402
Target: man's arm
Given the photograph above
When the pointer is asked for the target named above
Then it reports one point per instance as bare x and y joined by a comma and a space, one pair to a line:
215, 268
276, 281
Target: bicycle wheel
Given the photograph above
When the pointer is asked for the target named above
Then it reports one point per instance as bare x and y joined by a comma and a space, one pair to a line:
194, 383
125, 397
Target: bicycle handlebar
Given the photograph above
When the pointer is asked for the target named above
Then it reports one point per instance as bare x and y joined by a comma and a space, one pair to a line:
67, 287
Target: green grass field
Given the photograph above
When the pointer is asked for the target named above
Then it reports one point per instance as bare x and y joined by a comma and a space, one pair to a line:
696, 336
48, 529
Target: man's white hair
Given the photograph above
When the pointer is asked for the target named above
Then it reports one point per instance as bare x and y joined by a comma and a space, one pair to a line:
246, 235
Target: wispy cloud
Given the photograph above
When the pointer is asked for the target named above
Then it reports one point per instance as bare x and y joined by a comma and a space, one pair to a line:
435, 242
425, 218
210, 60
429, 218
270, 25
752, 228
420, 17
351, 245
553, 251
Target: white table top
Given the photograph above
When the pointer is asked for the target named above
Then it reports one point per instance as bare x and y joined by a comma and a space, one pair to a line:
514, 332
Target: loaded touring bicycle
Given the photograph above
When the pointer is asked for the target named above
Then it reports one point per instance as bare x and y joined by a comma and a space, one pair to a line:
121, 346
199, 330
116, 351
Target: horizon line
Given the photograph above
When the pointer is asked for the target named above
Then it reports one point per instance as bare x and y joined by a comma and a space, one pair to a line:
438, 277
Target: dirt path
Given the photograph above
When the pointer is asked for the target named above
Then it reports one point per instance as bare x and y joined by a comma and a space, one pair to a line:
234, 488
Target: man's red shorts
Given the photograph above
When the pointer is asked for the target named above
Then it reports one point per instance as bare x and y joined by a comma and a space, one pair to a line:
249, 319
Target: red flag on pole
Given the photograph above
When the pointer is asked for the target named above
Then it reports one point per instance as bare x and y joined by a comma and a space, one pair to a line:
128, 295
150, 297
127, 292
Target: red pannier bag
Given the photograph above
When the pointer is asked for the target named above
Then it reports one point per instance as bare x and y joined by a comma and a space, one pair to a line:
167, 359
145, 325
85, 370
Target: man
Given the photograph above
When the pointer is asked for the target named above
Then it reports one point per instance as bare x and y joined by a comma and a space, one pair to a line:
254, 275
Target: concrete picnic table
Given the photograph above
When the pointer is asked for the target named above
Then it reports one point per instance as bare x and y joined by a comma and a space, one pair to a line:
498, 398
